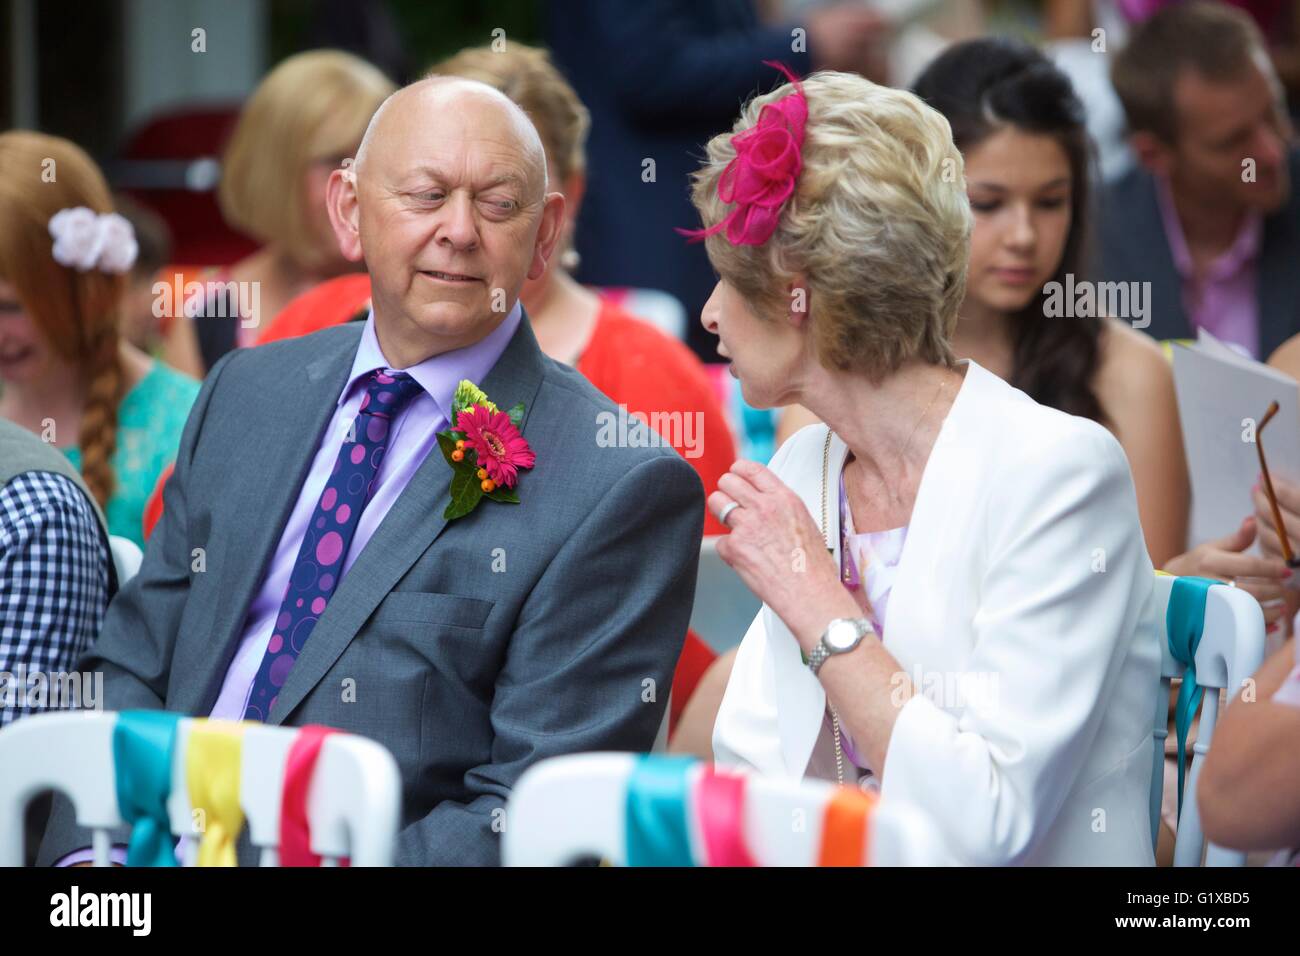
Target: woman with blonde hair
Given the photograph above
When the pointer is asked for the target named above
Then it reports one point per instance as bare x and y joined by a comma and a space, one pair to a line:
301, 122
66, 373
957, 601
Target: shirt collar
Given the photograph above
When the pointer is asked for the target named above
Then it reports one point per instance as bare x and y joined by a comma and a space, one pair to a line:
438, 375
1244, 248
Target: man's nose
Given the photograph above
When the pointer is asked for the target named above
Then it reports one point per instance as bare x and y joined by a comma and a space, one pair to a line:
1270, 146
459, 228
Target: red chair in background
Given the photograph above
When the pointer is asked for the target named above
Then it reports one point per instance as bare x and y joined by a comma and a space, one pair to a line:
172, 164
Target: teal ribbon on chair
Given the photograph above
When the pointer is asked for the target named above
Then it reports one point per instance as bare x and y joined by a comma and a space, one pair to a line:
143, 741
657, 832
1185, 622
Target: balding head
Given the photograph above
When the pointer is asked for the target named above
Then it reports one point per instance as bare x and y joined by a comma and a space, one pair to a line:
447, 203
448, 95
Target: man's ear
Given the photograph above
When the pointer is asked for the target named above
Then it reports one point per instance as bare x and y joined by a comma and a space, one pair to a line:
548, 234
800, 300
345, 212
1152, 152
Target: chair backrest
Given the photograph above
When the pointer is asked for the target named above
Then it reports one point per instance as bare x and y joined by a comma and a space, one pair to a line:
567, 808
1230, 651
127, 557
353, 802
724, 605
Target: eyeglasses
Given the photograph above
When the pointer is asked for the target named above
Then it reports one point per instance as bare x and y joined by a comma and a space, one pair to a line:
1278, 526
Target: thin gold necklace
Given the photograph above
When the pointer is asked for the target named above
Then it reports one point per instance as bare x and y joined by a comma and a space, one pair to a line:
825, 529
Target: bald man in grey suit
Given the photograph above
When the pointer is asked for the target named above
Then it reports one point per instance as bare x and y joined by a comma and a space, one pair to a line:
470, 648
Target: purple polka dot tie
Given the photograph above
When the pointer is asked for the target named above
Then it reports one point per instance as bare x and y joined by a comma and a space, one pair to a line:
329, 533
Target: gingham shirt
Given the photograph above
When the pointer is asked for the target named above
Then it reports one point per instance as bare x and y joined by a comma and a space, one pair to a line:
54, 582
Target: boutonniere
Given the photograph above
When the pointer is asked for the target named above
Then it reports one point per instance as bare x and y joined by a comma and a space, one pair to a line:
484, 449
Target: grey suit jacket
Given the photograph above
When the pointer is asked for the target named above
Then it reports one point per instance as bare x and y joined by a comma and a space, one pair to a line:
1133, 247
474, 647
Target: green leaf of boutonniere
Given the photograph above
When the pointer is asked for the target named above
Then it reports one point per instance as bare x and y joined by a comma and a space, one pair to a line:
465, 494
502, 493
447, 444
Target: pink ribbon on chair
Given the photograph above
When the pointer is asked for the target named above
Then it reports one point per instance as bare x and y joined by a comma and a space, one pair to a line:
299, 768
720, 810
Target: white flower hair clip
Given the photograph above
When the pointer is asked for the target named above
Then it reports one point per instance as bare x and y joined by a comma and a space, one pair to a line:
85, 240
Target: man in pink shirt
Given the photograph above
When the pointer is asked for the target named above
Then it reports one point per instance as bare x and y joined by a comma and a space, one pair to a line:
303, 571
1208, 218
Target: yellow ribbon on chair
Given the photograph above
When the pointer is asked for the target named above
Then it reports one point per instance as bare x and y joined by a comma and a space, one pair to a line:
212, 761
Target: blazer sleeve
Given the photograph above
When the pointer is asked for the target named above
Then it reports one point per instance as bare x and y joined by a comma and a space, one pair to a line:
746, 733
1052, 632
590, 663
134, 648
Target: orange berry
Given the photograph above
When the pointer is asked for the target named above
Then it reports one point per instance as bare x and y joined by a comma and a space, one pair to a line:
460, 443
457, 455
488, 485
482, 473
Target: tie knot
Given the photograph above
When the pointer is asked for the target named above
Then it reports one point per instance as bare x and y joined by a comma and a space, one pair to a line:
388, 392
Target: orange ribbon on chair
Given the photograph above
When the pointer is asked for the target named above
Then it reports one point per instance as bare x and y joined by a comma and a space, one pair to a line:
845, 832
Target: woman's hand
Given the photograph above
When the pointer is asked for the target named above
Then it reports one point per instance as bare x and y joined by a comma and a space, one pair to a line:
1224, 559
778, 551
1288, 502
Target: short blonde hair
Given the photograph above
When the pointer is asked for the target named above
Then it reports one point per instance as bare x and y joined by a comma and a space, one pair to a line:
879, 224
313, 106
527, 75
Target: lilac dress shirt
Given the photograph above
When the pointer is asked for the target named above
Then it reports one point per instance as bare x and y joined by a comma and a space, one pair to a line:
1223, 300
414, 435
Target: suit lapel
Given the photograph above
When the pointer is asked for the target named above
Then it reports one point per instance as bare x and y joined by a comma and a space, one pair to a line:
410, 527
1278, 281
1151, 250
301, 406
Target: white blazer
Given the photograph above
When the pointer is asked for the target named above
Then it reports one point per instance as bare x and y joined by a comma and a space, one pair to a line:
1024, 569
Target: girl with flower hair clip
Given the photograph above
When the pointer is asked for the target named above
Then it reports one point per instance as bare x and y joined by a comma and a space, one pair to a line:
65, 371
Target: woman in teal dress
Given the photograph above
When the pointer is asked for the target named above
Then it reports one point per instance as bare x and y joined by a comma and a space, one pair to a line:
66, 374
150, 421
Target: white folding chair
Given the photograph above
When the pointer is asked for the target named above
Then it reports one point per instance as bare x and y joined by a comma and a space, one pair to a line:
1231, 650
567, 808
127, 557
724, 605
353, 802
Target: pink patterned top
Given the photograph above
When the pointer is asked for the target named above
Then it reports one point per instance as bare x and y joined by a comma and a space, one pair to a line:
868, 566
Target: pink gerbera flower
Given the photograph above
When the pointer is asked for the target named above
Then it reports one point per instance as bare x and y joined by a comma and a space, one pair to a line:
497, 444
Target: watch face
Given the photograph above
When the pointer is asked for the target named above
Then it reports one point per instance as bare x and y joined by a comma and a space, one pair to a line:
842, 635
